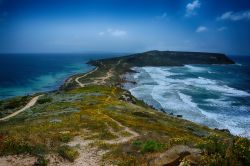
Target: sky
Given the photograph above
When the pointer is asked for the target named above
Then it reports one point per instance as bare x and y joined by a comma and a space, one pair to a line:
75, 26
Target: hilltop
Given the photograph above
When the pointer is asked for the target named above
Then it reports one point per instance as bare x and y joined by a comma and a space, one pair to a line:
91, 120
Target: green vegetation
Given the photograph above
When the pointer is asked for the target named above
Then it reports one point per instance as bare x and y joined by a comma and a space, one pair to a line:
65, 137
89, 111
68, 152
44, 100
13, 145
9, 106
225, 152
148, 146
41, 161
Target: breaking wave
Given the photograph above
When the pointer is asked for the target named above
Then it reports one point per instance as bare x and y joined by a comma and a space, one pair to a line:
195, 95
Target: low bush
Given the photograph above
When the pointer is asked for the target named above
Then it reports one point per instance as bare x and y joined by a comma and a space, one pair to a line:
225, 152
41, 161
65, 138
148, 146
68, 152
12, 146
15, 103
44, 100
151, 146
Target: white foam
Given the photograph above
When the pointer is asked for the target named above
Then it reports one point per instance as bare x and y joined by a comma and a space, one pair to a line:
226, 90
196, 68
187, 100
170, 94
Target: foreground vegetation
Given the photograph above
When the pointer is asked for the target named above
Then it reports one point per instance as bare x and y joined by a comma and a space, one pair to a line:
88, 112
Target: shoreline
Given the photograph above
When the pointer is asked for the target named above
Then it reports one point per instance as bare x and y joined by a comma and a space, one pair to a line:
132, 83
128, 73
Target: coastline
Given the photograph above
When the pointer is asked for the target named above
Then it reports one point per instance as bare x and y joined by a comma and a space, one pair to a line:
73, 79
103, 123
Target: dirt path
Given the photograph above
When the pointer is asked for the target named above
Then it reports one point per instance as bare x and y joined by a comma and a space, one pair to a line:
121, 139
77, 78
110, 72
30, 104
98, 80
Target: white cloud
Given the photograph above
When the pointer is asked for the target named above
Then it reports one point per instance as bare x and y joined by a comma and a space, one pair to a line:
101, 33
113, 32
235, 16
201, 29
118, 33
163, 16
191, 7
222, 29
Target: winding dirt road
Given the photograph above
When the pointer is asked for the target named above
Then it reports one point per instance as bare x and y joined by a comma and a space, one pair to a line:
77, 78
28, 105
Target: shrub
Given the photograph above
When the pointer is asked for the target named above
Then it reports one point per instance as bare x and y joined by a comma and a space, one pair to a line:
148, 146
68, 153
41, 161
137, 143
15, 146
242, 149
65, 138
14, 103
225, 152
213, 145
44, 100
151, 146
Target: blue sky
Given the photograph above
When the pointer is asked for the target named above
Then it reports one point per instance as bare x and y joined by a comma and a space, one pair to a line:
58, 26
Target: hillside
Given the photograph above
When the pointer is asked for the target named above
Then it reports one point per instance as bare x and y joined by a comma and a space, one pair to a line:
169, 58
91, 120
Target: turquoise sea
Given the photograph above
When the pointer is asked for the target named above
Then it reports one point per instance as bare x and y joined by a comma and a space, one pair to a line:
22, 74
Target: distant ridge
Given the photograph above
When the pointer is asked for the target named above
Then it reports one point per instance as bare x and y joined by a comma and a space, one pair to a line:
168, 58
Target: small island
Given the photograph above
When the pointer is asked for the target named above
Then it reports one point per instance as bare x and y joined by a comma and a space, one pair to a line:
92, 120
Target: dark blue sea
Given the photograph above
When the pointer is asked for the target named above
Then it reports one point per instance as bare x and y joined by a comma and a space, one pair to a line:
22, 74
217, 96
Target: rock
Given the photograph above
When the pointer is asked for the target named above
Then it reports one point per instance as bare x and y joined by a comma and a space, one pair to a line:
179, 116
175, 155
127, 98
223, 130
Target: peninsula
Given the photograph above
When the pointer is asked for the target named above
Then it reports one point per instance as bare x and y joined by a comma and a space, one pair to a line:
92, 120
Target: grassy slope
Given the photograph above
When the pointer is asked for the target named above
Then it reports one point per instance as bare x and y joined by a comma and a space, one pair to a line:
89, 112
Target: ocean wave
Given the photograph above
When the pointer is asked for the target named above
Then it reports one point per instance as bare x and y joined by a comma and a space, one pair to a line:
196, 68
196, 99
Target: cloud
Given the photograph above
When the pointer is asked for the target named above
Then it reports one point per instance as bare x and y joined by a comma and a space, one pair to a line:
235, 16
191, 7
117, 32
222, 29
113, 32
201, 29
101, 33
163, 16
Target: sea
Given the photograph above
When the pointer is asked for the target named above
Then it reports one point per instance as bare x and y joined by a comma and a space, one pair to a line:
24, 74
217, 96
